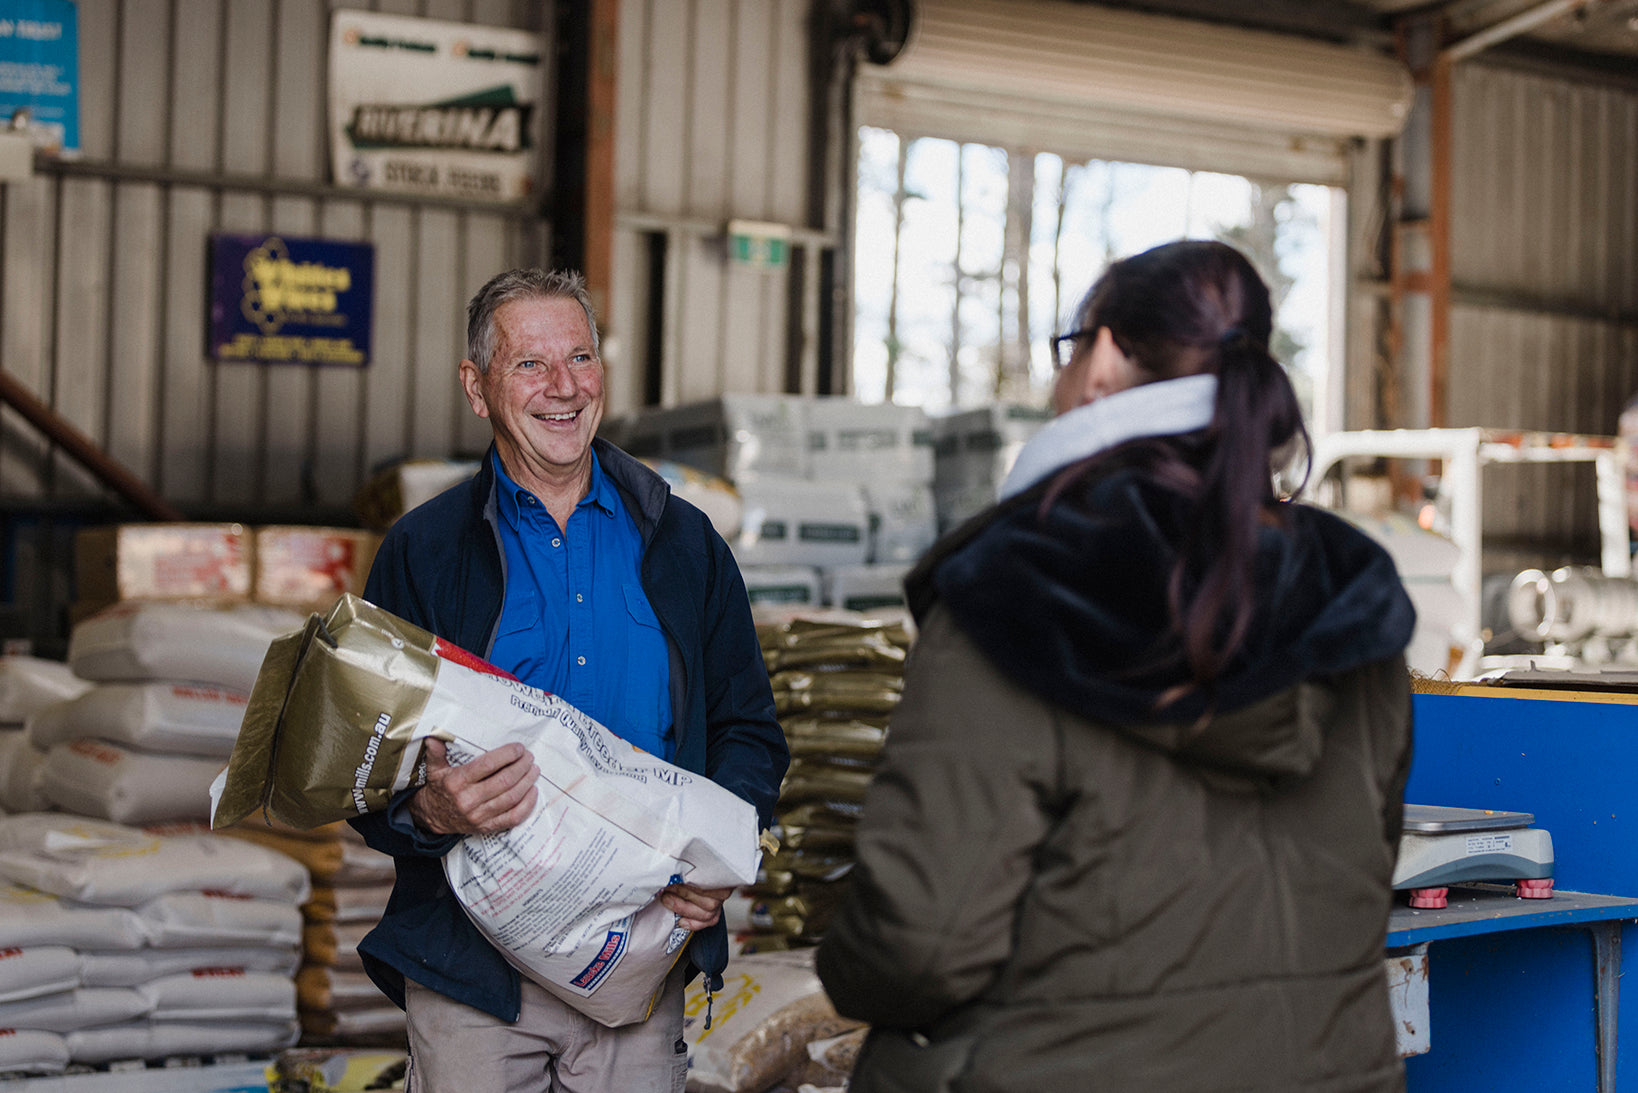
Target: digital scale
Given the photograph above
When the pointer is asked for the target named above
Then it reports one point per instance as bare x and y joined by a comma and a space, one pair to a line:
1443, 846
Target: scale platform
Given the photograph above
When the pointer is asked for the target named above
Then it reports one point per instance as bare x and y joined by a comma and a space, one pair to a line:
1442, 846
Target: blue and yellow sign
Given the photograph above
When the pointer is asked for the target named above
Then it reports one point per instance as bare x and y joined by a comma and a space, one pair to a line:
276, 300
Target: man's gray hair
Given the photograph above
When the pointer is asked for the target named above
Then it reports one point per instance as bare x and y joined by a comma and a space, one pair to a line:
521, 284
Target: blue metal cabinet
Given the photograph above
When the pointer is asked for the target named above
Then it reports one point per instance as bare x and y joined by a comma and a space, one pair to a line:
1515, 1002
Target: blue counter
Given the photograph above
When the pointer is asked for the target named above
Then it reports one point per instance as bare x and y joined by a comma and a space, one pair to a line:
1514, 999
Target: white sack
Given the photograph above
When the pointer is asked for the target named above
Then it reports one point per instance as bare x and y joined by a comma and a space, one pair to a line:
29, 1051
181, 718
110, 782
110, 968
150, 1040
180, 920
83, 1007
30, 917
91, 861
44, 969
29, 683
196, 643
221, 994
568, 896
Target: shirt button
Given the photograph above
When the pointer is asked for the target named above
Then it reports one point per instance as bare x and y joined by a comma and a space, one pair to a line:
578, 598
581, 661
557, 542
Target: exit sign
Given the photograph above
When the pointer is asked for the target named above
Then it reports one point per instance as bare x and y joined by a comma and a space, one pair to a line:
760, 245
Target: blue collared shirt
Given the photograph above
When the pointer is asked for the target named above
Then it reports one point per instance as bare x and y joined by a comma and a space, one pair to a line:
575, 620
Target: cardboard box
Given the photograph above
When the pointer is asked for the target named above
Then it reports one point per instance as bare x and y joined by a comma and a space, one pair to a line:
166, 561
309, 567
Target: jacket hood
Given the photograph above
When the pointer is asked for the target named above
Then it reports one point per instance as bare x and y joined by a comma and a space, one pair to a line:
1072, 604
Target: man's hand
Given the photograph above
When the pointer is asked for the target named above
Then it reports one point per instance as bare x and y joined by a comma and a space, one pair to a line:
695, 908
493, 793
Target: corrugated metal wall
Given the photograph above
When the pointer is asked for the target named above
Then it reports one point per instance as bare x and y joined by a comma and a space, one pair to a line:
210, 115
1544, 318
713, 124
200, 116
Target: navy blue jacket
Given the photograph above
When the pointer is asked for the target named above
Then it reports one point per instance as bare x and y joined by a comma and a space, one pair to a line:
441, 567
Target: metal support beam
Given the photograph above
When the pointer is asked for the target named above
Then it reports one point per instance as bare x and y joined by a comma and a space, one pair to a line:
1522, 23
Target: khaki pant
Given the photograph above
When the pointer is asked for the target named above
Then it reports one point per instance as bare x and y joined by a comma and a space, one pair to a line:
552, 1047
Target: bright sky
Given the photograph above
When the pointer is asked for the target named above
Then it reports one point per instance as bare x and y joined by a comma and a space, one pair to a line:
1114, 209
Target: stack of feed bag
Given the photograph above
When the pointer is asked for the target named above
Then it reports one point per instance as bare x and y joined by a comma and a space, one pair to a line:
337, 1001
119, 944
972, 452
168, 684
836, 678
171, 622
28, 685
836, 496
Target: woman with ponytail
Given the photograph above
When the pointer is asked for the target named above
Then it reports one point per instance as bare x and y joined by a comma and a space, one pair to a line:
1136, 822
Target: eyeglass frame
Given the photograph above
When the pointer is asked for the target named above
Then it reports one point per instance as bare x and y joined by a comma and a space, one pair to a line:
1056, 343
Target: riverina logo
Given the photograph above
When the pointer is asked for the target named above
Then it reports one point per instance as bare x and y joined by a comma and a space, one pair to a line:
488, 121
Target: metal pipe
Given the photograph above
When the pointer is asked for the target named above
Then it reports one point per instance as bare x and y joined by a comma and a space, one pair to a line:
1512, 27
62, 433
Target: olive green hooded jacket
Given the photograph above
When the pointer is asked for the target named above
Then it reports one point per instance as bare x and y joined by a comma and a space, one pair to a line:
1058, 888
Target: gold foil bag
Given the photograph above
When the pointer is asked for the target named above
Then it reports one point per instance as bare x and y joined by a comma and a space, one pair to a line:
332, 729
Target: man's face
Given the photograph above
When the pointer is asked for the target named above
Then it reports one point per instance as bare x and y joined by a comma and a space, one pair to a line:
543, 392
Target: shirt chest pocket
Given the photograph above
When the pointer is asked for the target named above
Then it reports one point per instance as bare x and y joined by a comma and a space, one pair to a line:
645, 691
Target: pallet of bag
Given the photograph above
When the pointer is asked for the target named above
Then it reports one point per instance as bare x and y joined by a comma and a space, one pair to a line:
335, 727
118, 943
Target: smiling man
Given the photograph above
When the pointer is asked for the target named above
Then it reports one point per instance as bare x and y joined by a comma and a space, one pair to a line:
568, 563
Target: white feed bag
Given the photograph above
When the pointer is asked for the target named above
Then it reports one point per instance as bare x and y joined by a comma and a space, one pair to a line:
29, 973
182, 920
130, 969
159, 1040
30, 917
92, 861
221, 994
21, 765
568, 896
83, 1007
29, 683
180, 718
29, 1051
184, 642
110, 782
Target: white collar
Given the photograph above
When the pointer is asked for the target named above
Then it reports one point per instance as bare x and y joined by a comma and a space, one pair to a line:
1163, 408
